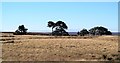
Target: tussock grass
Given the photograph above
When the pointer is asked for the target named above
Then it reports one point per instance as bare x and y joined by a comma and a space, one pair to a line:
60, 48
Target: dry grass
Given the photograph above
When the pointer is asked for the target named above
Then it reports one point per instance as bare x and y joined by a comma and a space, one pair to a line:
48, 48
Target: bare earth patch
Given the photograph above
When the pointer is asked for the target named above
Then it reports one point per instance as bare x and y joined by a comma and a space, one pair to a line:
47, 48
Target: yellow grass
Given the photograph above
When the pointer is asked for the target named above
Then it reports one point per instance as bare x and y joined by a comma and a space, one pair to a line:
50, 48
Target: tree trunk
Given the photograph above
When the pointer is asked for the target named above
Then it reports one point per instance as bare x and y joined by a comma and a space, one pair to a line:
52, 31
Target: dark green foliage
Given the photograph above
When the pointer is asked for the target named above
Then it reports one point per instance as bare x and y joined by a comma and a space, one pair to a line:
109, 33
83, 32
21, 30
59, 28
60, 32
61, 24
51, 24
99, 31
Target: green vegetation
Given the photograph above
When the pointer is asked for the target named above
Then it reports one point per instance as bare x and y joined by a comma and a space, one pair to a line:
95, 31
83, 32
99, 31
59, 27
21, 30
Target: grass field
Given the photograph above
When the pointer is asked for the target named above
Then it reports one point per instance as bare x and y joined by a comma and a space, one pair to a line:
65, 48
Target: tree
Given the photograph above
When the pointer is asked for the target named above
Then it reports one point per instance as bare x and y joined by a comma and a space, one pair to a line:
21, 30
99, 31
59, 28
83, 32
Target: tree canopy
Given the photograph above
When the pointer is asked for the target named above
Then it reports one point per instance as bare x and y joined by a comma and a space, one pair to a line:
21, 30
59, 26
83, 32
99, 31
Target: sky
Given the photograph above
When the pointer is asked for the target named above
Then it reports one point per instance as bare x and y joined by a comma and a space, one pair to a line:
59, 0
77, 15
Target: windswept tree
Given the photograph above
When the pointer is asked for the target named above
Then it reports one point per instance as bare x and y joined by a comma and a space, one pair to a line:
59, 26
21, 30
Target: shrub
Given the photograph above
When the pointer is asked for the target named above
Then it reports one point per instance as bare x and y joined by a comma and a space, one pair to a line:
21, 30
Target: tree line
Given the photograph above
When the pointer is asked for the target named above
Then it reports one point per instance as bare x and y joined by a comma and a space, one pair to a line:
59, 29
98, 30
